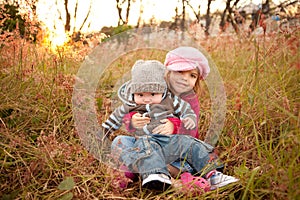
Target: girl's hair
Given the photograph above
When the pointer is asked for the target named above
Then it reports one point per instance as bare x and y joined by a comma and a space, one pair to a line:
197, 87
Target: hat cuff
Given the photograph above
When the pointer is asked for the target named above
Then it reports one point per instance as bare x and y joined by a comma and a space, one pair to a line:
185, 67
180, 67
148, 87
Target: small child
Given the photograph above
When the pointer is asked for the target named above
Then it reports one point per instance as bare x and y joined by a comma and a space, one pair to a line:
147, 94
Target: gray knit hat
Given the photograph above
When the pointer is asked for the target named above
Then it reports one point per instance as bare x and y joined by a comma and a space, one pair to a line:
148, 76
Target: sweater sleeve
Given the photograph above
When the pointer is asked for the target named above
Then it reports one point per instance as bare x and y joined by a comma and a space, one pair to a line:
114, 122
183, 109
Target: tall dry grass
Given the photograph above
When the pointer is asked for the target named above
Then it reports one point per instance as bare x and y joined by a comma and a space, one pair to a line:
42, 156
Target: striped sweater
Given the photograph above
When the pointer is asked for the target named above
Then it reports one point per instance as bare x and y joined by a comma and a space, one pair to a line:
170, 107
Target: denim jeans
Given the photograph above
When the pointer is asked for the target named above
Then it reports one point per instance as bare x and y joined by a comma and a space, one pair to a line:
124, 143
150, 154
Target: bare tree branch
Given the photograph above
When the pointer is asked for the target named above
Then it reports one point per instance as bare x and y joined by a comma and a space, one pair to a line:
68, 17
86, 17
75, 15
207, 18
59, 15
197, 14
127, 11
140, 14
119, 8
182, 24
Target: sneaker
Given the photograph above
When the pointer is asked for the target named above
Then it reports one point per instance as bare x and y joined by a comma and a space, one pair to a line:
219, 179
157, 182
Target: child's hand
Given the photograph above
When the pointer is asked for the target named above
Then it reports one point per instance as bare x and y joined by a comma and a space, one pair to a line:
166, 128
188, 123
138, 121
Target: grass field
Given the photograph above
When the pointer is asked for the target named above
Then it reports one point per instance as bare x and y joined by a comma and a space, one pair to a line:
42, 156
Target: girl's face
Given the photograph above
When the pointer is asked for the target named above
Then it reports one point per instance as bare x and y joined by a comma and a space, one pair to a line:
183, 81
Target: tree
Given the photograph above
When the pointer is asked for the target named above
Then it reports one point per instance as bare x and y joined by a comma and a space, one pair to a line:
182, 23
227, 17
68, 18
180, 19
196, 13
120, 5
186, 3
74, 18
207, 18
140, 14
11, 19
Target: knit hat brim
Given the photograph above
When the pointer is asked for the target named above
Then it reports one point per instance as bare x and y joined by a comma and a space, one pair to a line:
148, 87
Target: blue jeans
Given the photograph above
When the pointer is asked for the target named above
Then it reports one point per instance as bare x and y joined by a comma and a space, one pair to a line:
124, 143
150, 154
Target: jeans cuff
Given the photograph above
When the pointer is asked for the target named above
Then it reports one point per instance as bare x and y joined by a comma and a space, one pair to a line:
156, 171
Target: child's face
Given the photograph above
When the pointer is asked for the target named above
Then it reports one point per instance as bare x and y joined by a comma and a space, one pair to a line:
147, 98
183, 81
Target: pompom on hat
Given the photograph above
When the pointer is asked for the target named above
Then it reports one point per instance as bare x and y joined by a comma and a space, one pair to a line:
187, 58
148, 76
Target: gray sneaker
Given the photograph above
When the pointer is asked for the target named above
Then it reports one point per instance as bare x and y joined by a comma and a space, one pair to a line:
157, 182
219, 179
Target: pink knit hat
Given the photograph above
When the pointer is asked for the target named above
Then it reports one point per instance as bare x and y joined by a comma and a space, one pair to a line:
187, 58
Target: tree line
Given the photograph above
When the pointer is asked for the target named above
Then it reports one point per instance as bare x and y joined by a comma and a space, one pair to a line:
11, 17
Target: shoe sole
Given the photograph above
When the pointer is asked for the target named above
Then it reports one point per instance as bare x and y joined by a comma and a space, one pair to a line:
222, 184
157, 185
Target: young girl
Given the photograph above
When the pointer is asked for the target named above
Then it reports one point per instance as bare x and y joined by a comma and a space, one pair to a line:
186, 67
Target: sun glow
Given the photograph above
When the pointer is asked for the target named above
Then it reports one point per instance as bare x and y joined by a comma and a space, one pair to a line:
58, 39
52, 16
55, 38
91, 15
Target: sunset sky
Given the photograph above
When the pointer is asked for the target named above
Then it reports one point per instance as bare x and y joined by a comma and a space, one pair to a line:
104, 12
